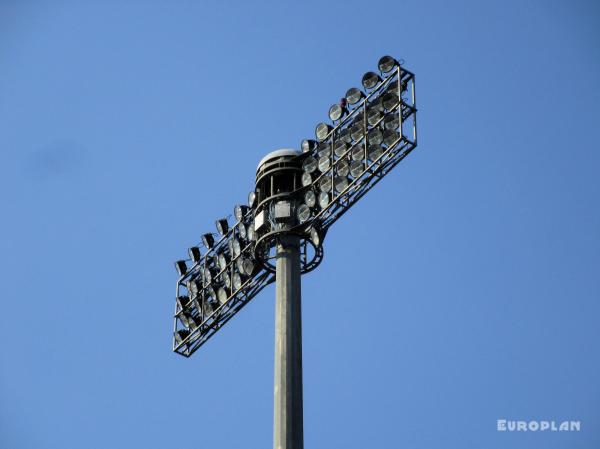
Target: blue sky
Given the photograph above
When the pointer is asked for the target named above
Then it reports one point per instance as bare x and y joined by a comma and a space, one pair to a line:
462, 290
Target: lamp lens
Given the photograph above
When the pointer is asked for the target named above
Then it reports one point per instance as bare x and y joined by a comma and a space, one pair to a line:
306, 179
340, 148
391, 121
374, 152
309, 165
373, 116
310, 198
322, 131
386, 64
237, 281
336, 112
353, 95
343, 168
357, 168
375, 136
303, 213
358, 152
340, 182
390, 137
324, 149
323, 199
370, 80
324, 163
325, 184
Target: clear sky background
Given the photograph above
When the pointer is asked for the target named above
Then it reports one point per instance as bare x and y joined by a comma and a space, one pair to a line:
464, 289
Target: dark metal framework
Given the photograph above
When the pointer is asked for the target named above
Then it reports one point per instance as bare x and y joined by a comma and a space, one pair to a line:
367, 142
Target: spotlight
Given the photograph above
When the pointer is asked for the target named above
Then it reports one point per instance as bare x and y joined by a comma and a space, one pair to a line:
240, 212
377, 103
357, 152
222, 295
251, 199
236, 248
194, 287
336, 112
374, 151
249, 267
181, 335
390, 100
386, 64
391, 121
306, 179
370, 80
340, 147
310, 198
354, 95
315, 237
223, 261
357, 168
322, 131
342, 168
251, 232
340, 183
309, 165
357, 131
325, 184
375, 136
208, 240
323, 199
222, 226
324, 163
181, 267
237, 281
345, 136
241, 228
183, 301
209, 274
194, 253
226, 279
373, 116
303, 213
390, 137
308, 145
323, 149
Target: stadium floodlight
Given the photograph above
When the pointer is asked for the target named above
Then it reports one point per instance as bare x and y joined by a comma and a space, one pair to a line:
386, 64
208, 240
181, 267
354, 95
194, 253
370, 80
222, 226
279, 235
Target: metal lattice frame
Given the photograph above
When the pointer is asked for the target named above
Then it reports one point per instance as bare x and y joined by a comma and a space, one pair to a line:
203, 314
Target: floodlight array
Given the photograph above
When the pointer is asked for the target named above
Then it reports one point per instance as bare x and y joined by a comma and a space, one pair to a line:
370, 132
375, 131
218, 283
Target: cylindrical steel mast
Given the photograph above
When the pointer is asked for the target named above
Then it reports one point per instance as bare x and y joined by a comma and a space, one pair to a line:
288, 418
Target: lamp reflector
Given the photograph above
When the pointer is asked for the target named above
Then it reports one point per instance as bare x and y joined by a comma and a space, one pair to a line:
354, 95
308, 145
322, 131
194, 253
222, 226
310, 198
208, 240
370, 80
303, 213
323, 199
240, 212
386, 64
309, 165
181, 267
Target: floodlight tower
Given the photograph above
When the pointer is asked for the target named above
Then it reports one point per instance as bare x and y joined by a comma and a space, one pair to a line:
279, 235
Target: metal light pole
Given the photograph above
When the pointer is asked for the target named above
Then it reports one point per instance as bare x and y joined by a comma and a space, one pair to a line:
288, 417
279, 235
